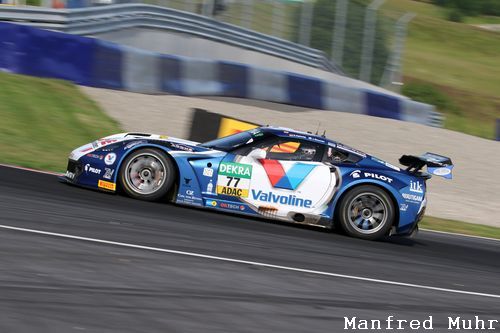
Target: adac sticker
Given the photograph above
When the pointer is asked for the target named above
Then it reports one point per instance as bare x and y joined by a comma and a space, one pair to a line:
234, 179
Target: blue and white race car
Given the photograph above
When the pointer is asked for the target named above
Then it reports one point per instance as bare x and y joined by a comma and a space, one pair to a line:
269, 172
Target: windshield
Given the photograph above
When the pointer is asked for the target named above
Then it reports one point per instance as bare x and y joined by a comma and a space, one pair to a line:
228, 142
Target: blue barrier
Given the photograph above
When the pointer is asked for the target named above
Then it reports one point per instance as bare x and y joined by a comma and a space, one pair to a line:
384, 106
304, 91
37, 52
234, 78
92, 62
170, 75
107, 66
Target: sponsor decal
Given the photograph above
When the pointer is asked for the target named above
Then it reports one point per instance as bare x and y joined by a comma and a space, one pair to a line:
96, 156
416, 187
386, 164
70, 175
289, 180
180, 147
403, 207
189, 192
212, 203
187, 181
210, 186
233, 179
413, 197
232, 206
441, 171
106, 185
289, 199
235, 170
163, 137
108, 173
103, 142
293, 135
110, 159
312, 138
351, 150
357, 174
133, 144
233, 191
208, 172
88, 168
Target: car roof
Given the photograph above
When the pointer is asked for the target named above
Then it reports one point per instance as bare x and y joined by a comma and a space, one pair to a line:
289, 132
292, 133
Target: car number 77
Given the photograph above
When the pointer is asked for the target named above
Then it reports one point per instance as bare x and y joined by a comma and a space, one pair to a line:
230, 180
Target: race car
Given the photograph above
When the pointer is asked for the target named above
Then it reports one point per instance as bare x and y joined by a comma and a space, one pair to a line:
270, 172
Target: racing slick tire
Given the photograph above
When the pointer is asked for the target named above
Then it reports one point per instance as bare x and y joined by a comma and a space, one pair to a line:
147, 174
366, 212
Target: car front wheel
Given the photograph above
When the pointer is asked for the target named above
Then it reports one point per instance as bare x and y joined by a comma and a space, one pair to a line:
366, 212
147, 174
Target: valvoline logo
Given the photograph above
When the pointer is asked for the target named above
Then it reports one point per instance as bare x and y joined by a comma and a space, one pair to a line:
290, 179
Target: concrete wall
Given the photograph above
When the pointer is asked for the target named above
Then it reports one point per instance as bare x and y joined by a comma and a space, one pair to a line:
162, 41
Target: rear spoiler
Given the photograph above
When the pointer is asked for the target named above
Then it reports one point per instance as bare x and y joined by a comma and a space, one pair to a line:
436, 164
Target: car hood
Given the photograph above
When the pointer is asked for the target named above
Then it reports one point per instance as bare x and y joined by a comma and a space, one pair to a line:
122, 137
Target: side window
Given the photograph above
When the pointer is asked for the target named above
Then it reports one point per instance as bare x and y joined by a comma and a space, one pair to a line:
278, 148
336, 156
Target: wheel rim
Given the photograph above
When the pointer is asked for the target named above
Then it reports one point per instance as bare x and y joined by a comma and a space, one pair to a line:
145, 174
367, 213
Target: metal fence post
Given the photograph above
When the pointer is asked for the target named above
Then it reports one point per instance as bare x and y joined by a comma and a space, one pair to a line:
208, 7
339, 32
498, 130
306, 16
247, 14
392, 77
190, 6
278, 22
365, 71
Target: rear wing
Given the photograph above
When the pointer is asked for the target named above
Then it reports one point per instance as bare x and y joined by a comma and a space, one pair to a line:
436, 164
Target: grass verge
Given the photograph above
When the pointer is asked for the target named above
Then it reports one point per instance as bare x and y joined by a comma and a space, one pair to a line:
42, 120
434, 223
458, 59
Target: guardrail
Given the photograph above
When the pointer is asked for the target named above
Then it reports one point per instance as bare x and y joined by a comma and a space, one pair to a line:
93, 20
93, 62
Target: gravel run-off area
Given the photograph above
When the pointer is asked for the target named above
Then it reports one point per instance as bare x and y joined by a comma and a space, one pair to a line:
472, 196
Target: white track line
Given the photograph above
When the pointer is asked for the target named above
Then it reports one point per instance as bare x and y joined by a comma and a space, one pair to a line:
245, 262
29, 169
462, 235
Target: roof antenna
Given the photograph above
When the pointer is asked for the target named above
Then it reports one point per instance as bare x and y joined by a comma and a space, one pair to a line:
319, 124
324, 134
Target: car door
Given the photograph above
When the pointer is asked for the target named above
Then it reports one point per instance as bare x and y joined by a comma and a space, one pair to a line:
281, 177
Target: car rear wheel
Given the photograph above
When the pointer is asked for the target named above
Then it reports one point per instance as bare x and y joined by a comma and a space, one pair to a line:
147, 174
366, 212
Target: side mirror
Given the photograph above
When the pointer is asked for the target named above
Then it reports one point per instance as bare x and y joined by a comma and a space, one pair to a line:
257, 154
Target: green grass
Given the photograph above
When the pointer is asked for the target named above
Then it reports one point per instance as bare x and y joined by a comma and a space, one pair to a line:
433, 223
482, 20
459, 59
42, 120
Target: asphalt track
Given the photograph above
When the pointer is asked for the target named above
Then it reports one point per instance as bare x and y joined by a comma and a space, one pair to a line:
51, 283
